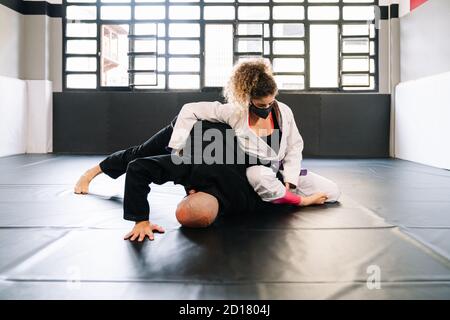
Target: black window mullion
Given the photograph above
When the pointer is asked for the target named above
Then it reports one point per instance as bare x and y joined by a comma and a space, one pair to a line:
340, 62
202, 46
99, 44
307, 49
166, 43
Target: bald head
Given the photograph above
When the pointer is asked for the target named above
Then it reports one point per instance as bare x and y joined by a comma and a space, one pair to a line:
197, 210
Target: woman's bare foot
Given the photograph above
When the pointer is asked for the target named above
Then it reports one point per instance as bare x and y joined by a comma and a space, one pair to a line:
82, 186
317, 198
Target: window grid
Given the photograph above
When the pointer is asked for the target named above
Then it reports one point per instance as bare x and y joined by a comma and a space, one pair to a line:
373, 39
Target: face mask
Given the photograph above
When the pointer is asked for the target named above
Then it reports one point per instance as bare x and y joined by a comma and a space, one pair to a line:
260, 112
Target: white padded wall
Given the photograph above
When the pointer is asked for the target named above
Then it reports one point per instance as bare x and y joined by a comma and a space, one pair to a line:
25, 116
422, 118
13, 116
40, 134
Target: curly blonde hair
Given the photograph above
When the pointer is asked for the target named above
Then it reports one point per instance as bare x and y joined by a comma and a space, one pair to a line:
252, 78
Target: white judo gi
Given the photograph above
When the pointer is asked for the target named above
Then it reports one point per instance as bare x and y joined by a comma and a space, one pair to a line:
263, 179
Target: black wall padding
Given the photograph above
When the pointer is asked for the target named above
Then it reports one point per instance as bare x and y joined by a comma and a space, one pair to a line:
332, 125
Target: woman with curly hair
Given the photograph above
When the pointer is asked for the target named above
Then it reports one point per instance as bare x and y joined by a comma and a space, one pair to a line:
266, 130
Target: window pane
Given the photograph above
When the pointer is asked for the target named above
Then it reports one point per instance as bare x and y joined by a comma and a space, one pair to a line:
250, 29
288, 65
184, 46
355, 29
145, 63
359, 13
266, 47
184, 81
371, 85
356, 45
145, 79
355, 64
184, 12
290, 82
355, 80
81, 64
81, 81
115, 12
288, 30
253, 13
114, 57
218, 54
149, 12
81, 30
289, 12
323, 13
184, 30
161, 46
324, 56
146, 29
288, 47
184, 64
148, 45
81, 12
218, 13
81, 46
250, 45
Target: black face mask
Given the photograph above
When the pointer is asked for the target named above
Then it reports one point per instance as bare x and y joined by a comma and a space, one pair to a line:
260, 112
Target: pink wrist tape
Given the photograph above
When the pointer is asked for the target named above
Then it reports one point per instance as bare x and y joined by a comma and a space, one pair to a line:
289, 198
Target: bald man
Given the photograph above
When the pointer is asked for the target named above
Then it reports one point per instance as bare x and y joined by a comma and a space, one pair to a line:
212, 189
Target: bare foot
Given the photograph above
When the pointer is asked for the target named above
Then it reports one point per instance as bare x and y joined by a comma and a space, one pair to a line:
82, 186
317, 198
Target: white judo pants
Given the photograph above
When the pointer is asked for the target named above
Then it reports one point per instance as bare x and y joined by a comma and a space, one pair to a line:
266, 184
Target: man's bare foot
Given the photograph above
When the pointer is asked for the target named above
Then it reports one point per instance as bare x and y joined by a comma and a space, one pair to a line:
82, 186
317, 198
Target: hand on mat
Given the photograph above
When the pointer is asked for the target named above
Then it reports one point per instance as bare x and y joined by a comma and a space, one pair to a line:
317, 198
82, 186
143, 229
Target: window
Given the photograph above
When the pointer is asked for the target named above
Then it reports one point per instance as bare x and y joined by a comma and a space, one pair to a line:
163, 45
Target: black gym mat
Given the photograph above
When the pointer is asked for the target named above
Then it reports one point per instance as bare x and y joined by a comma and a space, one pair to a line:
394, 217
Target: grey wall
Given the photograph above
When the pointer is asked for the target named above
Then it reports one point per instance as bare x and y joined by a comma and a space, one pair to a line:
332, 125
425, 45
42, 57
11, 42
31, 47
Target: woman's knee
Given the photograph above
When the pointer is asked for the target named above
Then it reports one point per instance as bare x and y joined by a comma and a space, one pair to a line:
254, 174
265, 182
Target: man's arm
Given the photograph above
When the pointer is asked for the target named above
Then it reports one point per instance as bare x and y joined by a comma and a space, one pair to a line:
140, 174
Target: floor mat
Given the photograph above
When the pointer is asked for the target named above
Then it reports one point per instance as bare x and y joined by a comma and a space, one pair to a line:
55, 244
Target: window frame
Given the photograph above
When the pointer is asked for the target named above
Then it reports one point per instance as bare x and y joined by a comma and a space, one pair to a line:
202, 22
